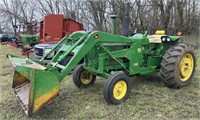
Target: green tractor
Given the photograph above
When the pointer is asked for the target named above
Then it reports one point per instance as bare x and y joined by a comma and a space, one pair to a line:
107, 55
28, 41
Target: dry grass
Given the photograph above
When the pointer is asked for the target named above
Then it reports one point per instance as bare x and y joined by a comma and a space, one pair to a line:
149, 99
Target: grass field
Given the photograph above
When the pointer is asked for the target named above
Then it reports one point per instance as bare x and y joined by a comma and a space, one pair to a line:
149, 99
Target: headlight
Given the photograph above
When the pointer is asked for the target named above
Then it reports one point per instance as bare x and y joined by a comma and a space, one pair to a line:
168, 39
164, 38
50, 55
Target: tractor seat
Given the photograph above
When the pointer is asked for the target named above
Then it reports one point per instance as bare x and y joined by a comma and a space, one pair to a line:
154, 38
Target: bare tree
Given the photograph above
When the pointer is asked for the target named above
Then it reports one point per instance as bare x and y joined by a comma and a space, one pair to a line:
11, 12
46, 7
18, 13
71, 9
170, 15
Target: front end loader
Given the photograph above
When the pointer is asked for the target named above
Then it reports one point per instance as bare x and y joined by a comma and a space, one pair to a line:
30, 85
110, 56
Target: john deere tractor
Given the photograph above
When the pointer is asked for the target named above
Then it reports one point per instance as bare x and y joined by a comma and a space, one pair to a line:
28, 41
113, 57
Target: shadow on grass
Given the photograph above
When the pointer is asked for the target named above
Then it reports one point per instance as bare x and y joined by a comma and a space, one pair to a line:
151, 80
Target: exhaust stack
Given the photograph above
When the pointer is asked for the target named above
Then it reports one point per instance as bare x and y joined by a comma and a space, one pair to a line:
125, 27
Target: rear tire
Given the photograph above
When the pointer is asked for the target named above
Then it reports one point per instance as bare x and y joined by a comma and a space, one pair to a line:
83, 78
117, 88
178, 65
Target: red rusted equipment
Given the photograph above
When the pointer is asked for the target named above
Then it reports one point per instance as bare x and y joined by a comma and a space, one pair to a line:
54, 27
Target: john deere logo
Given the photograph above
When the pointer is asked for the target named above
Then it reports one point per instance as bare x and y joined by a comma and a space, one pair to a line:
96, 36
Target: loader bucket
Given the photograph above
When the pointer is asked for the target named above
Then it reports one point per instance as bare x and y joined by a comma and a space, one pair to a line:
33, 84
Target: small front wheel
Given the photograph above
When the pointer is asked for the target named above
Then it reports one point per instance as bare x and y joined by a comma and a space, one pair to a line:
83, 78
117, 88
26, 46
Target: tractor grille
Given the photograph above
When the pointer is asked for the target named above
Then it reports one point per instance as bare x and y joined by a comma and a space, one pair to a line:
39, 51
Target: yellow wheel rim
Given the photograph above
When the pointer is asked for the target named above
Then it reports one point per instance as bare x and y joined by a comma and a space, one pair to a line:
86, 77
186, 67
120, 90
26, 46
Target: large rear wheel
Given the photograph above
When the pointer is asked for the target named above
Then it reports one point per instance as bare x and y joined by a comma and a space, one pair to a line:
117, 88
178, 65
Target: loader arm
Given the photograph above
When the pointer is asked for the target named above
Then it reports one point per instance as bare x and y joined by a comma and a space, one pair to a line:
80, 48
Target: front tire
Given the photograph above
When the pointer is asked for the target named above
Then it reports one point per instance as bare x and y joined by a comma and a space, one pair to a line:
83, 78
117, 88
178, 65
